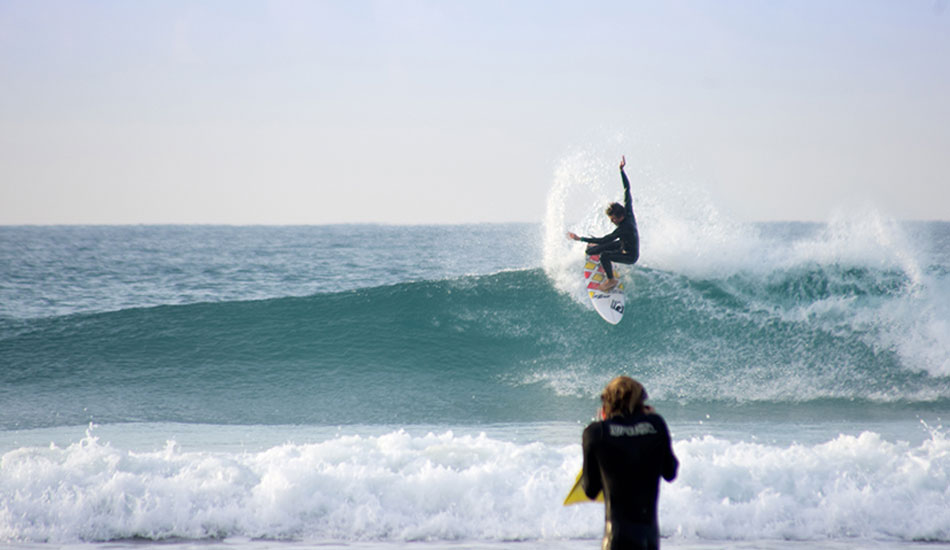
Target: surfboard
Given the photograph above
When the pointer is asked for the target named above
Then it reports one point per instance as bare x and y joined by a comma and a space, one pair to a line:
576, 494
609, 305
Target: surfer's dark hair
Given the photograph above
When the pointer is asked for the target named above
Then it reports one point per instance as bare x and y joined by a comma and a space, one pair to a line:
623, 396
615, 209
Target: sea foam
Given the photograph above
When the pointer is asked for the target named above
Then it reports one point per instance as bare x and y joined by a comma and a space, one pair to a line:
448, 487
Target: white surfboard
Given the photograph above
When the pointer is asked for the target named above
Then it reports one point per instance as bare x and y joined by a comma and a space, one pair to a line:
608, 304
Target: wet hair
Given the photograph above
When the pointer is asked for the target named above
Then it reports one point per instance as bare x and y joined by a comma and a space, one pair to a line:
615, 209
623, 396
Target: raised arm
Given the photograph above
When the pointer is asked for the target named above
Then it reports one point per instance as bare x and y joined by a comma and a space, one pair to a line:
627, 199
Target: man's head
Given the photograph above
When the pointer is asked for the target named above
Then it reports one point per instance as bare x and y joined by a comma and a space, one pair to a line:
615, 212
623, 396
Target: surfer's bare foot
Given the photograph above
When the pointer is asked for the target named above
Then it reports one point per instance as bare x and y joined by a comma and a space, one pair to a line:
609, 284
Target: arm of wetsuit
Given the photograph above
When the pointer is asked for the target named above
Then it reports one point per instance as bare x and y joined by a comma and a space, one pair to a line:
590, 474
670, 463
627, 199
612, 236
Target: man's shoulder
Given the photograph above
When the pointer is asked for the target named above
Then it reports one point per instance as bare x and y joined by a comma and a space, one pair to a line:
596, 425
594, 430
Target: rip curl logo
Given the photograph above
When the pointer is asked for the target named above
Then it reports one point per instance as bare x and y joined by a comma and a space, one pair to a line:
616, 306
643, 428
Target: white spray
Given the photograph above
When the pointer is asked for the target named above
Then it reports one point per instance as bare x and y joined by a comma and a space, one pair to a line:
684, 232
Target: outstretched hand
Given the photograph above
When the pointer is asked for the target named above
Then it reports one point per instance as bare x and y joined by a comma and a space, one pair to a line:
623, 161
572, 236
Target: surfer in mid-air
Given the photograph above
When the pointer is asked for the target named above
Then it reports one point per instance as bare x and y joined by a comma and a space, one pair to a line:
620, 245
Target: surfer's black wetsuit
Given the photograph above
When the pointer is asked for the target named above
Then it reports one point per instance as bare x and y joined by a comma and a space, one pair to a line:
622, 244
625, 457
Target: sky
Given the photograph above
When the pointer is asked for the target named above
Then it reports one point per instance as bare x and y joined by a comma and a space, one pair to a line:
461, 111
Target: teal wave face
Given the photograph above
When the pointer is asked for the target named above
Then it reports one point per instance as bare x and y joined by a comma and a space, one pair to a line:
402, 353
498, 348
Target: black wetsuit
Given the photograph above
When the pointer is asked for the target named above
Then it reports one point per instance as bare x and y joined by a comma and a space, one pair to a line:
622, 244
625, 457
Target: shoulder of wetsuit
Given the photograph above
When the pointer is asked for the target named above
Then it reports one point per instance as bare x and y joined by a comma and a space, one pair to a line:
595, 426
655, 418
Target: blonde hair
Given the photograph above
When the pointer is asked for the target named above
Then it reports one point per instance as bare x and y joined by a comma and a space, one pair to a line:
623, 396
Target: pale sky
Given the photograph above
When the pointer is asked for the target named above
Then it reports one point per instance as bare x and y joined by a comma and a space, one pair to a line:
460, 111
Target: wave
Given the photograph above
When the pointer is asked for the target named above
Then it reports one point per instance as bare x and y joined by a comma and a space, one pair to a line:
55, 271
448, 487
510, 346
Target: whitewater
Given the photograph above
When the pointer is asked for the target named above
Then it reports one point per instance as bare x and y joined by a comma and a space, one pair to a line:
373, 386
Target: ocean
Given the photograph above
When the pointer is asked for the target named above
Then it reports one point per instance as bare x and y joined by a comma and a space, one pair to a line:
425, 387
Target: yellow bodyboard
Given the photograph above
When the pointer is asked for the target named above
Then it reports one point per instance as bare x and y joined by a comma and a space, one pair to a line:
577, 495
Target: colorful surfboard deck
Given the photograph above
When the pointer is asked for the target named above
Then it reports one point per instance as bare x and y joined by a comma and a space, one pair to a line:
609, 305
